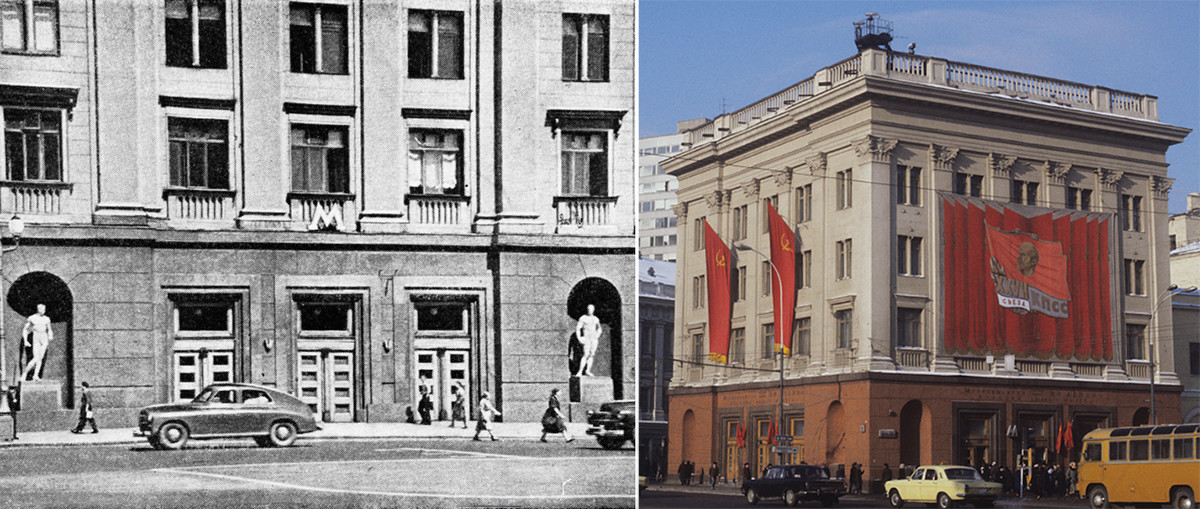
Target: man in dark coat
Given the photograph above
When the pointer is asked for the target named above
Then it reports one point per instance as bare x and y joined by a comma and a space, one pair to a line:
886, 475
425, 406
855, 479
682, 471
85, 411
713, 472
746, 472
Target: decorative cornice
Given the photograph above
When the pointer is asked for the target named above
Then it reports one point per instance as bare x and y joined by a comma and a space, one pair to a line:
713, 200
816, 163
879, 149
1056, 173
726, 198
1001, 164
38, 96
1161, 186
594, 119
335, 110
1108, 178
680, 209
201, 103
751, 189
783, 178
435, 113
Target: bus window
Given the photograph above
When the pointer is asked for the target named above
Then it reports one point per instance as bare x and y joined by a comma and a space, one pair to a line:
1116, 450
1139, 450
1183, 449
1091, 451
1160, 449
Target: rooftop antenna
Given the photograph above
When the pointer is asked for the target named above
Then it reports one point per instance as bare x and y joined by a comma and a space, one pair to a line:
873, 32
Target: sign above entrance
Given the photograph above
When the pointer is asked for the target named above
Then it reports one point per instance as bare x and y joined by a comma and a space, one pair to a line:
888, 433
785, 449
783, 439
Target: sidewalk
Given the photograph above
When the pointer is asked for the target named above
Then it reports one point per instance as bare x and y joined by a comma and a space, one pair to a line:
331, 431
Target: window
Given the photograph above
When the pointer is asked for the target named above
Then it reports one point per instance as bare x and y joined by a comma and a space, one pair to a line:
740, 222
908, 185
1183, 448
739, 284
699, 292
1091, 452
196, 33
585, 47
1131, 213
1160, 449
198, 152
1117, 451
698, 233
1172, 243
804, 275
320, 159
441, 316
766, 278
1024, 192
325, 316
908, 253
908, 327
29, 26
204, 317
698, 347
843, 318
435, 44
584, 163
845, 195
1135, 277
802, 336
1135, 341
737, 346
968, 185
766, 222
1139, 450
1194, 357
804, 199
844, 259
33, 144
1079, 198
319, 39
435, 163
768, 335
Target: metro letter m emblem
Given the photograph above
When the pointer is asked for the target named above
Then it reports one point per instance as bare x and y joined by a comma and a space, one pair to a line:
326, 219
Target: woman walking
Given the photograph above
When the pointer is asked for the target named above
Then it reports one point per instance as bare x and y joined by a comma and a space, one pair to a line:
553, 421
487, 412
458, 405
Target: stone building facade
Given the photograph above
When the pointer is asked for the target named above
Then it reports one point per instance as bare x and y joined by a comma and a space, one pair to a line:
341, 199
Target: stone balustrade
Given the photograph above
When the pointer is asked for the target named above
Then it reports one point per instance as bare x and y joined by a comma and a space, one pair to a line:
34, 197
205, 205
440, 211
584, 213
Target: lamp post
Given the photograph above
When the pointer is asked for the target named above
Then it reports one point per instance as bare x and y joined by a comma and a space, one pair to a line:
742, 247
16, 226
1170, 292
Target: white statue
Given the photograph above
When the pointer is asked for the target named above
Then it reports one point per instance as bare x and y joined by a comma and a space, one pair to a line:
588, 332
37, 334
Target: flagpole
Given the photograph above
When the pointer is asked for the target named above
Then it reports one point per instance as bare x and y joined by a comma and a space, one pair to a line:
778, 277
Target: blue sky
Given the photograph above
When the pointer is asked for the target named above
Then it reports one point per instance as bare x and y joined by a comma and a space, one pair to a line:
695, 55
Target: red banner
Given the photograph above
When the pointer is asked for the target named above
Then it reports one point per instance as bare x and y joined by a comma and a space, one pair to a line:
783, 284
1033, 286
719, 263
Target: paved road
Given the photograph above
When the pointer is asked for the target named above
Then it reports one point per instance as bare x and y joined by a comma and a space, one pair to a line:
661, 497
325, 473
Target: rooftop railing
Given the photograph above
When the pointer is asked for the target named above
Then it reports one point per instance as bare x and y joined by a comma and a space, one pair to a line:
934, 71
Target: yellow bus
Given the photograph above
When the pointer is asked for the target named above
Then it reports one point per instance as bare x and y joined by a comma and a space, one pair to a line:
1141, 465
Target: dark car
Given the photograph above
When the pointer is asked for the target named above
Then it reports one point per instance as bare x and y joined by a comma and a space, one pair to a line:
613, 424
228, 410
794, 483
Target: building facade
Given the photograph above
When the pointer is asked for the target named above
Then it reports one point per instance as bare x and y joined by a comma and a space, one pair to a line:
656, 315
656, 196
341, 199
978, 255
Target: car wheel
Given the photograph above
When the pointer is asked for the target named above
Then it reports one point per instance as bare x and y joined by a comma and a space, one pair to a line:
894, 498
752, 496
1183, 498
943, 501
1098, 497
283, 434
611, 443
172, 436
828, 501
790, 498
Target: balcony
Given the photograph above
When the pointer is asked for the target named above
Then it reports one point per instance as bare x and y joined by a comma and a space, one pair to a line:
33, 197
1138, 369
200, 207
584, 214
322, 211
439, 213
911, 357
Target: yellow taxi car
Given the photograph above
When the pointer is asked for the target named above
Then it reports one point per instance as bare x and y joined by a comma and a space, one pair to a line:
945, 485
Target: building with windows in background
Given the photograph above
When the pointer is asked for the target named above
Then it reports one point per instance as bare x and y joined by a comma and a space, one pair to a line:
345, 200
1184, 230
656, 193
979, 254
656, 315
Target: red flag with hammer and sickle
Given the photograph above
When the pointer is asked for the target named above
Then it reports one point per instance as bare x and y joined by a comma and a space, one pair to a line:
783, 284
719, 263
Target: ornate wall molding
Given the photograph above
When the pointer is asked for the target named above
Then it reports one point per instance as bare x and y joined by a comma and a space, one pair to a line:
713, 200
726, 199
1056, 173
816, 163
1108, 178
783, 178
751, 189
942, 158
680, 209
879, 149
1001, 164
1161, 186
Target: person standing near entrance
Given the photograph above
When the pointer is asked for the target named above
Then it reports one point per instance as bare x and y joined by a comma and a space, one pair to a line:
713, 471
425, 406
37, 334
553, 421
487, 413
86, 415
458, 406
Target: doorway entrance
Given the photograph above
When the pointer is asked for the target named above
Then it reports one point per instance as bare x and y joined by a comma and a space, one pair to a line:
327, 384
445, 337
327, 373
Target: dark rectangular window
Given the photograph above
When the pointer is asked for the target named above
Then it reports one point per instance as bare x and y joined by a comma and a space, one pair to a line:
968, 185
844, 319
204, 316
441, 317
1079, 198
845, 189
1024, 192
1194, 357
1131, 213
908, 185
768, 340
804, 199
1135, 277
585, 47
435, 44
29, 26
908, 327
737, 346
195, 33
1160, 449
584, 164
1139, 450
435, 163
804, 269
1183, 448
33, 144
698, 353
319, 38
320, 159
325, 316
802, 336
1117, 451
908, 255
1135, 341
198, 152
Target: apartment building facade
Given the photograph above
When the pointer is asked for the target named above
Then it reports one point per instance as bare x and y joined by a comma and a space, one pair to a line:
980, 255
342, 199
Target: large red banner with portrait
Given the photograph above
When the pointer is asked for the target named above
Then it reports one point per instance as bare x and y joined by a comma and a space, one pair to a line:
1033, 284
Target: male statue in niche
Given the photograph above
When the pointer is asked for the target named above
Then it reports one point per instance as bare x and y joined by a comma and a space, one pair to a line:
588, 332
37, 335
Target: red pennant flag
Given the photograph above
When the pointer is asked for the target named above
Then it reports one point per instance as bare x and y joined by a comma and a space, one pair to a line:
1058, 442
783, 284
719, 264
771, 433
1070, 437
741, 435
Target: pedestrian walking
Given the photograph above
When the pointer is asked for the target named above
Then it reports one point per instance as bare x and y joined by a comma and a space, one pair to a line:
712, 474
553, 421
855, 479
86, 415
1072, 476
886, 475
487, 413
746, 472
425, 406
682, 472
458, 405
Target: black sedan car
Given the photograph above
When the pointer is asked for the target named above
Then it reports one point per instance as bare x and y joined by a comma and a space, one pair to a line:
228, 410
795, 484
613, 424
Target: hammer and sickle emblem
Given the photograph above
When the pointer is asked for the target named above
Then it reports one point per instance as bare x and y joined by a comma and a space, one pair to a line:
783, 241
720, 259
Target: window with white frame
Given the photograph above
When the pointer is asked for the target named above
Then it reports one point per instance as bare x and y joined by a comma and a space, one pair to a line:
740, 222
802, 336
844, 321
908, 327
766, 278
908, 255
804, 199
739, 284
908, 185
698, 233
737, 346
319, 38
584, 163
585, 47
195, 33
326, 317
320, 158
29, 26
845, 189
765, 218
699, 292
768, 339
844, 258
33, 141
198, 151
435, 44
698, 353
435, 161
804, 274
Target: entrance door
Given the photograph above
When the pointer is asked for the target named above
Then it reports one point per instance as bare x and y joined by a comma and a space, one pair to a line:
327, 384
196, 370
440, 369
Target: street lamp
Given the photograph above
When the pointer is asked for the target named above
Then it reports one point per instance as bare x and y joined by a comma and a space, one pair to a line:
1170, 292
16, 226
742, 247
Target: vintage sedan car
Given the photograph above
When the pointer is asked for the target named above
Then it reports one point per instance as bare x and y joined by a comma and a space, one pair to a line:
613, 424
945, 485
794, 484
228, 410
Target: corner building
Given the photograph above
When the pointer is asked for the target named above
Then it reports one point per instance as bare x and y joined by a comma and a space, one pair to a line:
340, 199
922, 332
